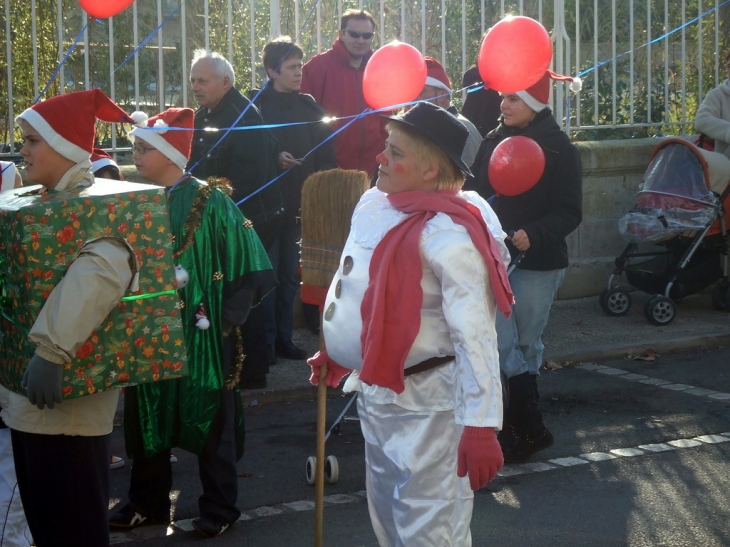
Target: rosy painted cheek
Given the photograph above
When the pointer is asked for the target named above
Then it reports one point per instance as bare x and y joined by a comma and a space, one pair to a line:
381, 159
398, 168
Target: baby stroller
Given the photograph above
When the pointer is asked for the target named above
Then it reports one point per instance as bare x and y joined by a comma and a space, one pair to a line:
677, 233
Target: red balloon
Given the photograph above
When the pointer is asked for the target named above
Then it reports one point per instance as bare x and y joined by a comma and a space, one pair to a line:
101, 9
515, 54
395, 74
516, 165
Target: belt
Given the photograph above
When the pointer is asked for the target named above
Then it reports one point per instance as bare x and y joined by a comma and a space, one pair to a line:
428, 364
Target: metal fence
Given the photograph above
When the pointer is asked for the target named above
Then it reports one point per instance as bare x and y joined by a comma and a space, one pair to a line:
646, 64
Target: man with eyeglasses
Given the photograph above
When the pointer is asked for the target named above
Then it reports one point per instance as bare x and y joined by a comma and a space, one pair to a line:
334, 79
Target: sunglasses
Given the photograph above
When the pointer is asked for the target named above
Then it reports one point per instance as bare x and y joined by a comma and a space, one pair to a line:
355, 34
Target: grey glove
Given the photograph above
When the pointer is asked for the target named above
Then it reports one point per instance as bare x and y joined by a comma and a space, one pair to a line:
42, 382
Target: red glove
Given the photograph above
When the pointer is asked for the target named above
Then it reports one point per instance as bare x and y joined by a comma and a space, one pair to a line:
335, 372
480, 455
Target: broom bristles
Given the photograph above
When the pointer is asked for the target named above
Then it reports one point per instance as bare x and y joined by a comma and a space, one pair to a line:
328, 201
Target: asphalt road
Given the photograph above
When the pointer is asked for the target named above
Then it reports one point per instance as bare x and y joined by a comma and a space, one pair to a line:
638, 460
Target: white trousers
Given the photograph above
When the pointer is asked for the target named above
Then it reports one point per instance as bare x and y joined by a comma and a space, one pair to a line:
415, 498
14, 531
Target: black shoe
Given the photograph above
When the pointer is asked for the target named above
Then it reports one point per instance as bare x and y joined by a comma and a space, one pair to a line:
289, 351
270, 354
210, 526
129, 517
525, 447
255, 383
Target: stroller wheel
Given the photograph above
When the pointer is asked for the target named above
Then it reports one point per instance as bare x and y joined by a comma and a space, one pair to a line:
720, 296
615, 301
311, 469
659, 310
331, 470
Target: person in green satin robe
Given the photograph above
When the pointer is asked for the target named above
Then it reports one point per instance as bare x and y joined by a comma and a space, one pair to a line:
222, 271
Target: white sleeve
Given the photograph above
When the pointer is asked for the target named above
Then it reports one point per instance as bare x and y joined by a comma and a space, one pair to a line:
470, 311
94, 283
709, 118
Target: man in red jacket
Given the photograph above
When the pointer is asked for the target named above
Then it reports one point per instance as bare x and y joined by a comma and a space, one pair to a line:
334, 79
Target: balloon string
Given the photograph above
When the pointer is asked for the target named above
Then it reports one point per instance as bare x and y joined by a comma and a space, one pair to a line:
149, 37
60, 65
304, 157
691, 21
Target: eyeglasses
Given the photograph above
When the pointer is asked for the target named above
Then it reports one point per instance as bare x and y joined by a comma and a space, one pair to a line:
355, 34
141, 150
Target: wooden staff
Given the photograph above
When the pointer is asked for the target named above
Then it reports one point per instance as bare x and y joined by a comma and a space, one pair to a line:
328, 201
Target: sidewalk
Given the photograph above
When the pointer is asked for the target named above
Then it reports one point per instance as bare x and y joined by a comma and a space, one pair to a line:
578, 331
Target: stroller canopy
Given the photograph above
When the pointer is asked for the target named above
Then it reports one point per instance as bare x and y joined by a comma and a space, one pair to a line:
676, 195
678, 168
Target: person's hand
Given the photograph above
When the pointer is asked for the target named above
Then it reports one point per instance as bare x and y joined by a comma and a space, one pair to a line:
520, 240
286, 160
479, 455
335, 372
42, 382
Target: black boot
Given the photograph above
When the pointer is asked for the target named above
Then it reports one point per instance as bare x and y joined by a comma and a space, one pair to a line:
524, 432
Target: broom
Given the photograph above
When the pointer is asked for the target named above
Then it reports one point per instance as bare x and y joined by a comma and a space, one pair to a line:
328, 201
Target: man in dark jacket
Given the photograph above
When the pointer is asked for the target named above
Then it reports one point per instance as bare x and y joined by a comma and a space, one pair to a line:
248, 159
305, 149
334, 79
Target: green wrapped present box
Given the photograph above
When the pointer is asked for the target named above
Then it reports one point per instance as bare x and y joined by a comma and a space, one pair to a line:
141, 340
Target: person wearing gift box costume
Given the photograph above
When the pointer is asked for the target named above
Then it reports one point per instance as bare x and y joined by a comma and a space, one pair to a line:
14, 529
224, 271
61, 447
412, 310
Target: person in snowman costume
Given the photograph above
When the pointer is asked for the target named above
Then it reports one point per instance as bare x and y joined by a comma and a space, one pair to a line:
411, 312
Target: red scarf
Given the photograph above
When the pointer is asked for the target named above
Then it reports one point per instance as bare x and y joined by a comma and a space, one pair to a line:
391, 306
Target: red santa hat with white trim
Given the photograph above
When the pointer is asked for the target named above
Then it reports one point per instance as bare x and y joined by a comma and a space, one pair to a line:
68, 122
537, 96
100, 159
436, 75
175, 143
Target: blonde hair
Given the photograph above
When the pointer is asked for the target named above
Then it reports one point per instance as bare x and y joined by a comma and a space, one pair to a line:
449, 176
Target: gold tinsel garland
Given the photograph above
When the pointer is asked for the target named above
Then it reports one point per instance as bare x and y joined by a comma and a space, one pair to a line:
195, 216
192, 223
234, 377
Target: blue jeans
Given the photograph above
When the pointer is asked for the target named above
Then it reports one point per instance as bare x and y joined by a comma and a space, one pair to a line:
278, 305
520, 337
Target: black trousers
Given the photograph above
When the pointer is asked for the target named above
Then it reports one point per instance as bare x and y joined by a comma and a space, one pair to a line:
64, 484
151, 478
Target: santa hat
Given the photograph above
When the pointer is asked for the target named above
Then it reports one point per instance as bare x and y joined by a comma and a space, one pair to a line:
68, 122
537, 97
173, 144
436, 75
100, 159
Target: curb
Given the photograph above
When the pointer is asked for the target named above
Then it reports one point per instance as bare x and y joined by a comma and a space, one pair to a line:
597, 353
615, 351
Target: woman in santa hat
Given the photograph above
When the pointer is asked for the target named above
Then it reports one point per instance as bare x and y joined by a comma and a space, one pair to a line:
539, 220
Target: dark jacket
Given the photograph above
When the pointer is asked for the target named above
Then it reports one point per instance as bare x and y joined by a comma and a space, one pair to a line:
337, 88
481, 107
247, 158
551, 209
298, 140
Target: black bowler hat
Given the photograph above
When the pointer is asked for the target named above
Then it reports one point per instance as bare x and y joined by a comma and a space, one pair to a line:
443, 128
